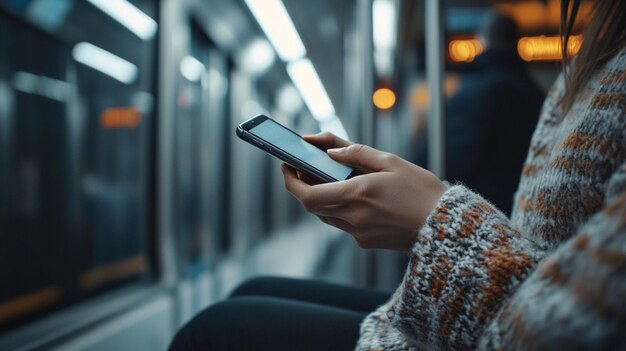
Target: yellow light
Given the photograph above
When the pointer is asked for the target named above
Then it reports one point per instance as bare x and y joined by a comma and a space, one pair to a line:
384, 98
543, 48
464, 50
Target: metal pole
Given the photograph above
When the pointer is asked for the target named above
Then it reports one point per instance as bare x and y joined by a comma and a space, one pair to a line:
434, 24
170, 47
366, 265
365, 24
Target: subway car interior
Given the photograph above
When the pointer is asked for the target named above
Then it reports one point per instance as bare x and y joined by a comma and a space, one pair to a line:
128, 204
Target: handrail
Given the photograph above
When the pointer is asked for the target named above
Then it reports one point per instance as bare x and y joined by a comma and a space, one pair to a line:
434, 25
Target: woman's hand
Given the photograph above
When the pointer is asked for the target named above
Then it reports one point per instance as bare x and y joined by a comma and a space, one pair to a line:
383, 208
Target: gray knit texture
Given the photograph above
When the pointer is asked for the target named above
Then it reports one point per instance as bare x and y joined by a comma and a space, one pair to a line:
553, 275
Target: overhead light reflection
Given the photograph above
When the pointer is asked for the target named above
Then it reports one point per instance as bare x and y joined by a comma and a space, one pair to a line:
223, 35
288, 99
282, 34
129, 16
256, 57
310, 86
191, 68
384, 24
384, 35
278, 27
334, 126
215, 81
41, 85
105, 62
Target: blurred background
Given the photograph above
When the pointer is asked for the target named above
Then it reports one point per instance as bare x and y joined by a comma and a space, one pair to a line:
127, 203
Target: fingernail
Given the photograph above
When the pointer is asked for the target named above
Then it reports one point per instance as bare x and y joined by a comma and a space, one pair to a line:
335, 150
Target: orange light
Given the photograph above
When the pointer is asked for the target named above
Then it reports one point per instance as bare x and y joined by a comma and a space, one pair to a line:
29, 303
121, 117
536, 16
384, 98
113, 271
464, 50
543, 48
420, 95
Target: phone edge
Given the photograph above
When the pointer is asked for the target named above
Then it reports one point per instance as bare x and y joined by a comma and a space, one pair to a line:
284, 156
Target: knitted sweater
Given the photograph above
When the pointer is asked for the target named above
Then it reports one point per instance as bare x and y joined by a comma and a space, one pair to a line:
553, 276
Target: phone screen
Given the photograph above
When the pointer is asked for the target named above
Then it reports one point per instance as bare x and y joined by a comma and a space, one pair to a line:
293, 144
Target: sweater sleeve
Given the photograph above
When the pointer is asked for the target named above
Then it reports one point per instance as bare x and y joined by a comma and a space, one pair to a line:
467, 259
576, 297
464, 285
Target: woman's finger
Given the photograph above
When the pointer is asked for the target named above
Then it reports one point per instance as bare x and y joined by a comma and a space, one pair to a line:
313, 196
337, 211
326, 140
363, 237
307, 179
353, 214
363, 157
340, 224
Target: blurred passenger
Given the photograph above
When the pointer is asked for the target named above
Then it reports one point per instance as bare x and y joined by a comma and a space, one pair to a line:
552, 276
491, 117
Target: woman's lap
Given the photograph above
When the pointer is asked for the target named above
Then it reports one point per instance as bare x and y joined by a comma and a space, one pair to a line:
267, 323
305, 315
323, 293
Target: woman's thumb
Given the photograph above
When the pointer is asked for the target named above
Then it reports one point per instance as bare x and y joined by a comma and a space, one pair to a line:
362, 156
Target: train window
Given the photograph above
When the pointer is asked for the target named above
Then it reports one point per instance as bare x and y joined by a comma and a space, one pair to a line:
221, 113
75, 158
191, 211
216, 164
284, 210
247, 168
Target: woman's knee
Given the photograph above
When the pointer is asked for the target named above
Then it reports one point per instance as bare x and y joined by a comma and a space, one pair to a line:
223, 326
268, 323
199, 332
256, 286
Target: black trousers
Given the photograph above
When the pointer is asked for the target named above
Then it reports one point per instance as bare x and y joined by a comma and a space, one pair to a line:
281, 314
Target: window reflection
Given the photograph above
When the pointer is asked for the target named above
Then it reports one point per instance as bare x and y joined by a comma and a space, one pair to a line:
75, 156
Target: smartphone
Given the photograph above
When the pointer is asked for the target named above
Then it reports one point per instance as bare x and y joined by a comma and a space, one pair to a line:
280, 141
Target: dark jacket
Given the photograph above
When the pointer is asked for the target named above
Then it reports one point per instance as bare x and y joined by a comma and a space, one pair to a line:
489, 122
